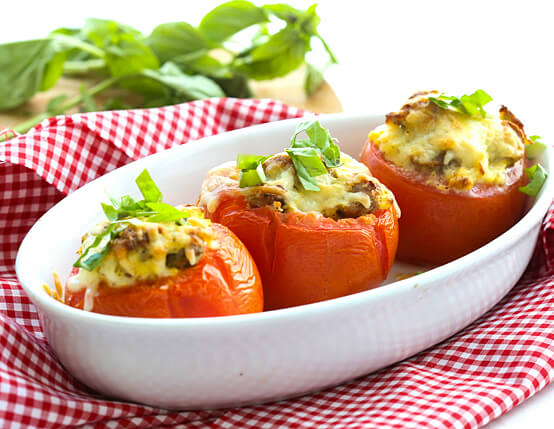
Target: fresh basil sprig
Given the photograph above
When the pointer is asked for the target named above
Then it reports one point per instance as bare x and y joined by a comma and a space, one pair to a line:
124, 209
310, 157
174, 64
537, 176
469, 105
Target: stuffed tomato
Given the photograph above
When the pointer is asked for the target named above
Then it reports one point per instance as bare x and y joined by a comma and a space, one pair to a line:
456, 176
164, 262
309, 245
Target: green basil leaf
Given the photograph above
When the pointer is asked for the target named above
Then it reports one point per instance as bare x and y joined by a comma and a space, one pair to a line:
281, 54
175, 39
128, 56
110, 211
314, 79
230, 18
308, 164
284, 11
537, 176
235, 86
251, 177
165, 213
105, 32
206, 65
104, 242
536, 148
182, 86
23, 66
310, 159
469, 105
441, 103
319, 139
249, 162
148, 188
54, 69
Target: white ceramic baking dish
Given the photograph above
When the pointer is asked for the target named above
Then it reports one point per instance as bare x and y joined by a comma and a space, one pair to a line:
219, 362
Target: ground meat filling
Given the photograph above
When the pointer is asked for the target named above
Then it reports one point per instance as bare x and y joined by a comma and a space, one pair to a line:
184, 258
131, 239
355, 209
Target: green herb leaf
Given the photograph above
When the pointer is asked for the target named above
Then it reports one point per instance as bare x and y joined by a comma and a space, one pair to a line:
249, 162
110, 211
469, 105
230, 18
308, 164
535, 148
314, 79
23, 66
54, 68
104, 32
319, 139
102, 241
165, 213
252, 177
537, 176
148, 188
180, 86
281, 54
128, 55
175, 39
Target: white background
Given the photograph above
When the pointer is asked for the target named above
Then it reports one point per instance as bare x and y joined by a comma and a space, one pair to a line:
386, 50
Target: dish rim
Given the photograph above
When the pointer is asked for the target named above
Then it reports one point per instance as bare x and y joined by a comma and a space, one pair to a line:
534, 215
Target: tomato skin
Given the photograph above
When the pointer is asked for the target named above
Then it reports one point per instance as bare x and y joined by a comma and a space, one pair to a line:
305, 258
225, 281
439, 226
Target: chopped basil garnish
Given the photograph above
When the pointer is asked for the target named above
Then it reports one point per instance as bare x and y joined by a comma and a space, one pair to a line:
537, 176
104, 241
319, 139
535, 148
162, 212
308, 164
250, 162
310, 157
125, 209
469, 105
148, 188
252, 170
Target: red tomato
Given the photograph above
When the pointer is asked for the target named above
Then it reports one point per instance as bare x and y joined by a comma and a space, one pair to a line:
305, 258
439, 226
224, 282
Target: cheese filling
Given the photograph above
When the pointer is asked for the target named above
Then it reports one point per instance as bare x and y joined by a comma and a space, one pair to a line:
451, 148
144, 251
348, 190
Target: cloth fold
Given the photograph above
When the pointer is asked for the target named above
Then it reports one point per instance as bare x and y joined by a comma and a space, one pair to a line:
480, 373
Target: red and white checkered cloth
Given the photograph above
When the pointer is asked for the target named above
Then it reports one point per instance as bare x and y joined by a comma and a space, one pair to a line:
494, 364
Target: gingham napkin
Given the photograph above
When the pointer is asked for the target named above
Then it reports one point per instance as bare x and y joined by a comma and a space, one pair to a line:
494, 364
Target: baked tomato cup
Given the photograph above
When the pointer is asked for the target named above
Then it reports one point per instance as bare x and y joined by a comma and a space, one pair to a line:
455, 173
335, 239
161, 264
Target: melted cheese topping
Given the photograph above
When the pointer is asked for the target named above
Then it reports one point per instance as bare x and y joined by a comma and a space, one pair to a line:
337, 188
140, 252
454, 149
